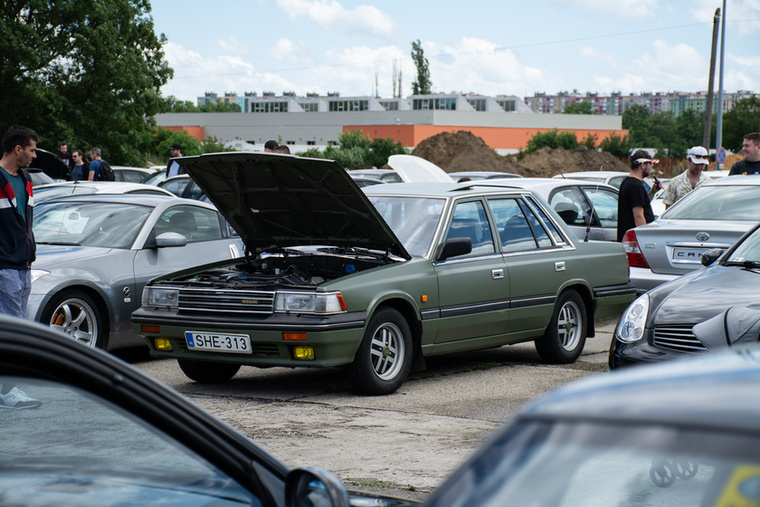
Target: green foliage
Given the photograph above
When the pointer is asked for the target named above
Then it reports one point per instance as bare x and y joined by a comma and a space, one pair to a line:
742, 119
422, 85
579, 108
83, 71
619, 146
636, 121
213, 145
164, 138
552, 139
356, 151
174, 105
589, 141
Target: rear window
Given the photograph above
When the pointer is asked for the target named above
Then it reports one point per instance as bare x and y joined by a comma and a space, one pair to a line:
738, 202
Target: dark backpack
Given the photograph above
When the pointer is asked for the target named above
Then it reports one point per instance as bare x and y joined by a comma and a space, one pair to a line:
106, 173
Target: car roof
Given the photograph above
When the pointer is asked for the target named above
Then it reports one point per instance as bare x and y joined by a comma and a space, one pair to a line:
107, 187
587, 174
145, 199
540, 185
699, 391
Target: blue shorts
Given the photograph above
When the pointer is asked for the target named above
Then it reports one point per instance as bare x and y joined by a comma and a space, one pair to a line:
15, 286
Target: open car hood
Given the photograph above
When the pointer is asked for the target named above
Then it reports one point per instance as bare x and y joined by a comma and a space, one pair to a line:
275, 200
414, 169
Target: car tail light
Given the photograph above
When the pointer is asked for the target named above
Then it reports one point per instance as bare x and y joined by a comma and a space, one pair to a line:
633, 252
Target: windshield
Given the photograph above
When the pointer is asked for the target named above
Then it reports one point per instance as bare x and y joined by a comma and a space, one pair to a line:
108, 225
747, 250
414, 220
737, 202
586, 464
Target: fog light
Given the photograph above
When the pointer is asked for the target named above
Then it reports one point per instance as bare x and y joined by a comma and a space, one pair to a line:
303, 352
162, 344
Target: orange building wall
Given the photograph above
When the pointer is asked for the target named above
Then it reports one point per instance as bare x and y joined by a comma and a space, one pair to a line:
196, 132
496, 137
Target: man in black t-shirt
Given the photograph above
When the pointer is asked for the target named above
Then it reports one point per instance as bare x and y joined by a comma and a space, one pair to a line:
634, 203
751, 152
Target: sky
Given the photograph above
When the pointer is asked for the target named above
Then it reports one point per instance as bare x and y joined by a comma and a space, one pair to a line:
480, 46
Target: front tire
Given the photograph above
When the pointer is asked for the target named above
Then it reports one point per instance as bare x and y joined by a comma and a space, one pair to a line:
75, 313
565, 337
206, 372
384, 357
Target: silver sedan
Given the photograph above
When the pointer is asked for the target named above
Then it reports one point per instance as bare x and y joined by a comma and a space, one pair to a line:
714, 215
95, 254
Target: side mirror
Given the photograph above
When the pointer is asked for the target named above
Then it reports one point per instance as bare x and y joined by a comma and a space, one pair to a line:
314, 487
170, 239
711, 256
453, 247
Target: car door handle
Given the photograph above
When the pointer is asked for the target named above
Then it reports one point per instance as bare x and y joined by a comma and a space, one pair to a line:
497, 274
559, 266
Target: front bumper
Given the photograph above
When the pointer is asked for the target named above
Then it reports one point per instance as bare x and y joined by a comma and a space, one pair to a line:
334, 339
624, 354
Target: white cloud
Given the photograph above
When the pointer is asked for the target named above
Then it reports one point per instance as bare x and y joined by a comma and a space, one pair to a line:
233, 45
286, 49
331, 15
598, 55
743, 16
624, 9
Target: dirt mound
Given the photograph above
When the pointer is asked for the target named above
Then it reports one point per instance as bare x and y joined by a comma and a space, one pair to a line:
463, 151
730, 161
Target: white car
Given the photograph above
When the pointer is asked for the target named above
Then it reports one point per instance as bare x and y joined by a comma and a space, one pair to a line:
44, 193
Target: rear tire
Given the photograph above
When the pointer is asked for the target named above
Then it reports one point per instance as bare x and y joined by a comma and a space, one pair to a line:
384, 357
565, 337
206, 372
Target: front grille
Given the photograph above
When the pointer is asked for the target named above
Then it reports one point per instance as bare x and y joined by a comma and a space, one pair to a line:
677, 338
221, 301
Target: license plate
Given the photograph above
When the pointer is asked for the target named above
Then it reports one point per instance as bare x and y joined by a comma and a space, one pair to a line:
683, 255
237, 343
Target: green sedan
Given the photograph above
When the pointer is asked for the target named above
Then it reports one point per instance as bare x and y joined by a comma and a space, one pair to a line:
376, 280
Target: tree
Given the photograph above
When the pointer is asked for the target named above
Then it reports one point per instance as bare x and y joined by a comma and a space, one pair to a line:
579, 108
84, 71
423, 85
619, 146
552, 139
742, 119
637, 120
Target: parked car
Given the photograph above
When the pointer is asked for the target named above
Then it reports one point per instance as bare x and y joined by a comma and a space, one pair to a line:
481, 175
385, 175
687, 314
50, 191
96, 252
715, 215
107, 434
38, 177
681, 433
376, 282
182, 186
589, 209
157, 177
614, 178
364, 181
131, 174
50, 164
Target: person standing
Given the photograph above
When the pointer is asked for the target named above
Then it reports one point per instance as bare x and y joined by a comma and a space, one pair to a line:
271, 146
95, 159
691, 178
634, 202
63, 153
17, 248
174, 168
751, 152
80, 169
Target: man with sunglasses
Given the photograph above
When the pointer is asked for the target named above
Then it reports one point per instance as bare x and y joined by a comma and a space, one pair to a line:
634, 202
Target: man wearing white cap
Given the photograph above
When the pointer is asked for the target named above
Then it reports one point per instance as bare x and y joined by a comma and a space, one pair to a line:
691, 178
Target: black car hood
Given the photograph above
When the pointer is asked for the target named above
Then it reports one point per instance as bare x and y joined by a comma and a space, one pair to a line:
275, 200
700, 295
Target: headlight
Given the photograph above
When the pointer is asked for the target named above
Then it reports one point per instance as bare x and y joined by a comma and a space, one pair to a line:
309, 302
630, 327
160, 296
38, 273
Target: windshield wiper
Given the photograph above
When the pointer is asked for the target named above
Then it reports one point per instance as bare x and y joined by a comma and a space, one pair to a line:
65, 243
745, 264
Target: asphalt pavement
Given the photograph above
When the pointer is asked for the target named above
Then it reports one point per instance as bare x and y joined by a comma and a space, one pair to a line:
402, 444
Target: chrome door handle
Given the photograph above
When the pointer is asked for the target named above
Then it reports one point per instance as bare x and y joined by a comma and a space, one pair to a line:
497, 274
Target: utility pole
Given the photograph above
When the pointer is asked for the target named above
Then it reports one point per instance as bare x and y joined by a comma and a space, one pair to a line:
719, 123
711, 83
